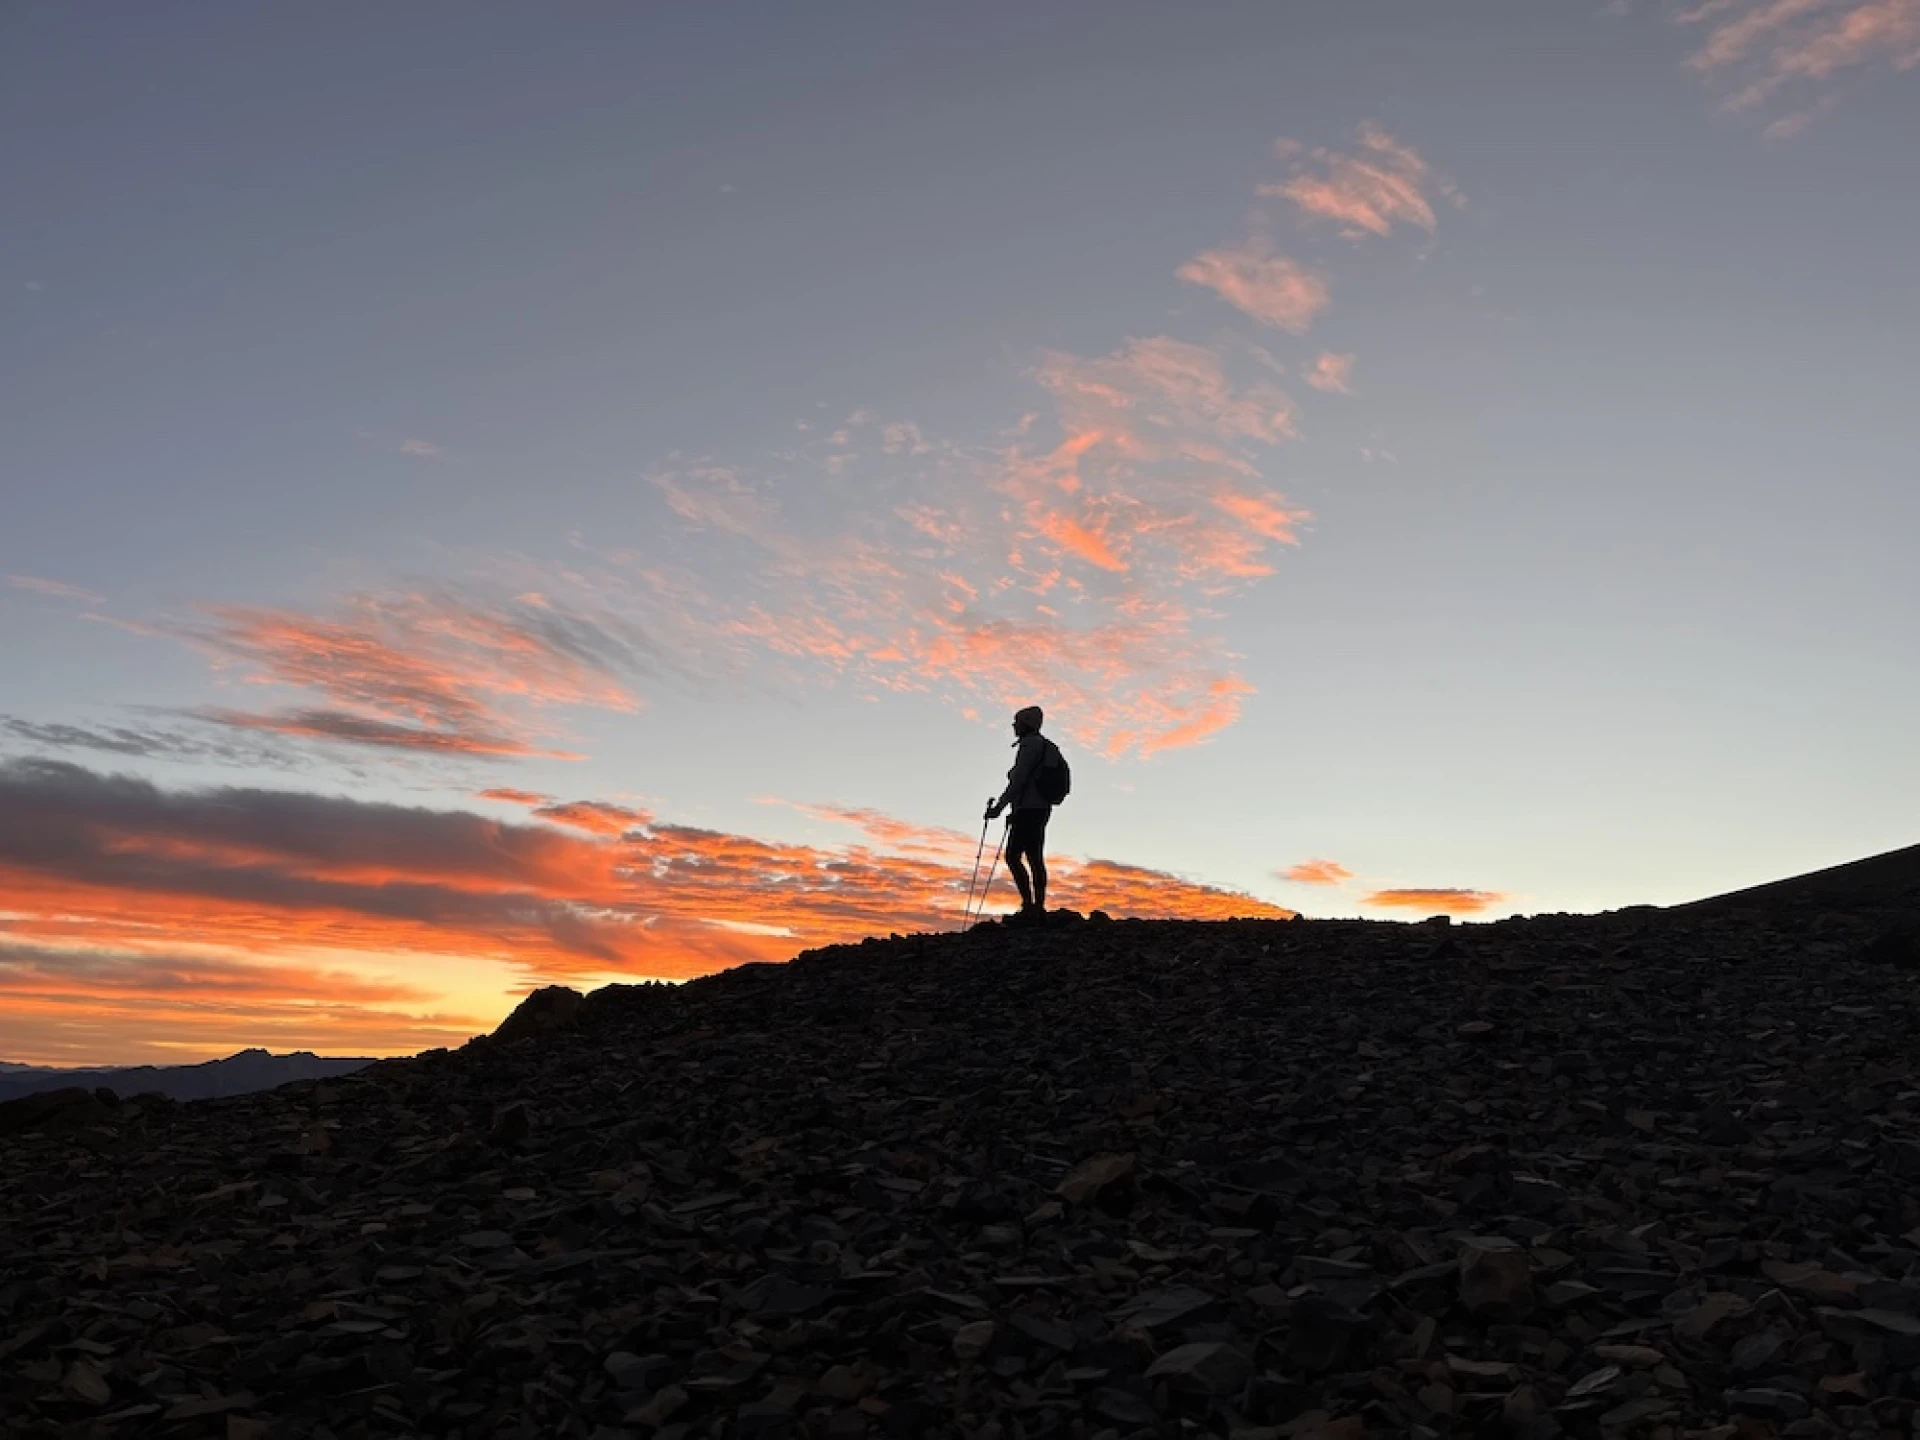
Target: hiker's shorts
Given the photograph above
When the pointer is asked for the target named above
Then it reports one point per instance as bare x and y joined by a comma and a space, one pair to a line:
1027, 833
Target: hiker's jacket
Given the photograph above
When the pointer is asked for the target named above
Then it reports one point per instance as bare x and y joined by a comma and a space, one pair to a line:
1023, 780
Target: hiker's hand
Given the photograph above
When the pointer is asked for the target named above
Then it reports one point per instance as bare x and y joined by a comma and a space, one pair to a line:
993, 809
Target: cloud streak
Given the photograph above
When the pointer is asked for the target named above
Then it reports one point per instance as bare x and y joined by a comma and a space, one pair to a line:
1762, 50
427, 671
1317, 872
143, 741
1441, 900
55, 589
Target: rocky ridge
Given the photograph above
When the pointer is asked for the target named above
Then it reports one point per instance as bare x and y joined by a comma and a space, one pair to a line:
1654, 1173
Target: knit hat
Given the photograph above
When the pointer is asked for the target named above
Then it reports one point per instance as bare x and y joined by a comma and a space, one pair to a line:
1030, 717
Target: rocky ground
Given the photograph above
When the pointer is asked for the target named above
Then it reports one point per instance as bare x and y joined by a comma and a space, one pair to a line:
1653, 1173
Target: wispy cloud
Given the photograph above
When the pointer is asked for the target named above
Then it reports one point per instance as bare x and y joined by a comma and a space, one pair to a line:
1072, 561
1317, 872
1270, 287
1084, 554
1332, 374
507, 795
1442, 900
429, 672
115, 867
1170, 387
596, 817
424, 449
145, 741
1383, 185
55, 589
1763, 51
890, 833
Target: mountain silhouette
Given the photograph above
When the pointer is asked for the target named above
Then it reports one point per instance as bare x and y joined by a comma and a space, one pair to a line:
239, 1074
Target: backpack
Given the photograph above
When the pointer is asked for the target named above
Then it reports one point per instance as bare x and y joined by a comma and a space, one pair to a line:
1054, 778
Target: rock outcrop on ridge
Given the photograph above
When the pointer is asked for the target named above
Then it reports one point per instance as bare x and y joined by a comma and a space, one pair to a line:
1653, 1173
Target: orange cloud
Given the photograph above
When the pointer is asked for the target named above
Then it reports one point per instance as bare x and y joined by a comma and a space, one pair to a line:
1129, 890
597, 817
1062, 565
426, 672
1332, 374
1440, 901
894, 834
1317, 872
1086, 558
1078, 540
204, 912
1366, 194
506, 794
1265, 515
1270, 288
1767, 46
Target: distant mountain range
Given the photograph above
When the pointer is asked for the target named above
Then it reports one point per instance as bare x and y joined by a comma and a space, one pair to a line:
240, 1074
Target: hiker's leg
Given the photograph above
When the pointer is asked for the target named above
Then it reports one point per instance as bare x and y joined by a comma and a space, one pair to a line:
1016, 845
1020, 881
1037, 858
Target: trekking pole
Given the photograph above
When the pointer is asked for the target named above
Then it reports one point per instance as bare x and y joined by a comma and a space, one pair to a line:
966, 915
997, 846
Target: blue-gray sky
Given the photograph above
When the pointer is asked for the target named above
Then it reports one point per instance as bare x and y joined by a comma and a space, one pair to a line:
1422, 457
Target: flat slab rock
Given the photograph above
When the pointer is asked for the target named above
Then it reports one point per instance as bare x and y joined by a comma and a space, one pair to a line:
1645, 1174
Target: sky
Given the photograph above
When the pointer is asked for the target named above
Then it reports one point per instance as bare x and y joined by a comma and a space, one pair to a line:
499, 495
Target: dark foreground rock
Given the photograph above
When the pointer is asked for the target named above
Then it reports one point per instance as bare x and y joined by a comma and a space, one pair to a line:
1648, 1174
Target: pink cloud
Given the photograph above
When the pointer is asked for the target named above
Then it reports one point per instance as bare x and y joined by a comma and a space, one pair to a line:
1317, 872
424, 671
1077, 561
1332, 374
1270, 288
1165, 385
1265, 515
1766, 46
1385, 185
1086, 555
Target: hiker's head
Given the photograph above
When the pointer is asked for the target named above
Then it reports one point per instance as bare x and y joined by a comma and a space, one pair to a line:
1027, 721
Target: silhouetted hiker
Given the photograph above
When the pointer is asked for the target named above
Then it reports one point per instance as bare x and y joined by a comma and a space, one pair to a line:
1038, 781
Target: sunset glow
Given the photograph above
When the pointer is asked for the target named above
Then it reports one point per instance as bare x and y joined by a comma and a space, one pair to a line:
492, 502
